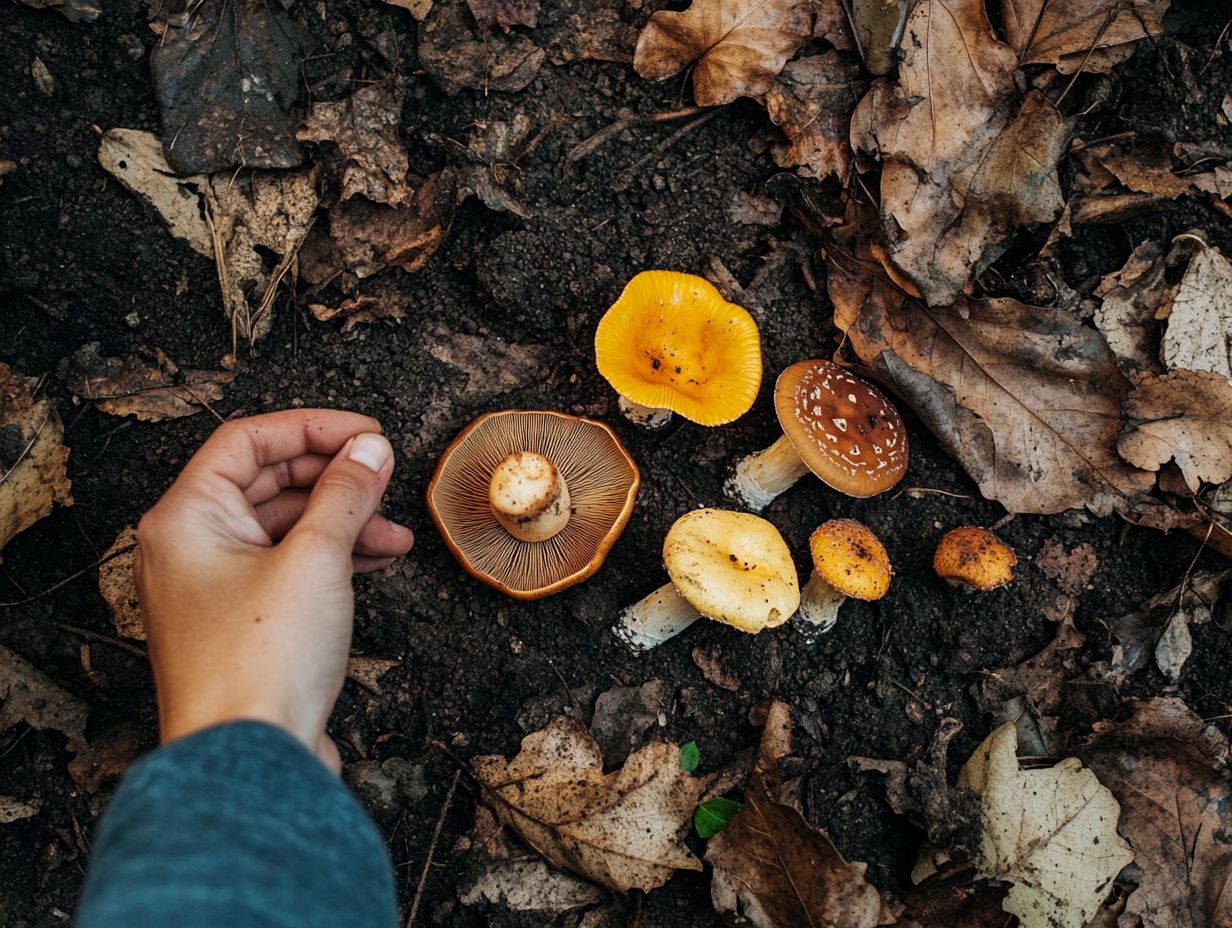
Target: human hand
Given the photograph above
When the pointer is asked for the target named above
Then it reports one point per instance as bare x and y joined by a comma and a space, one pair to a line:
244, 571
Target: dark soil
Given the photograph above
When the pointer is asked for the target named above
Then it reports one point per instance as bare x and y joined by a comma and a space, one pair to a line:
81, 260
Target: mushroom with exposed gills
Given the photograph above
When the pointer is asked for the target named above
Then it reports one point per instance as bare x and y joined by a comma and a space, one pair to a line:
671, 343
531, 502
839, 427
848, 561
732, 567
973, 558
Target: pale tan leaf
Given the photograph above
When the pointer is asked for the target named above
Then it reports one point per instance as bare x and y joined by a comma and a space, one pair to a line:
619, 829
739, 46
152, 389
1198, 336
27, 695
1126, 317
811, 101
33, 459
1051, 832
367, 671
119, 588
878, 30
13, 809
417, 8
1183, 416
1062, 32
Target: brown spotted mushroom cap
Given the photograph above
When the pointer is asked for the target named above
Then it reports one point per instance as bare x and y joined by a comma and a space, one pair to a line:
843, 428
974, 557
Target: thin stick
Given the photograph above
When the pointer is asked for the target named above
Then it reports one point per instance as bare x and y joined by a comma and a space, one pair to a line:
69, 579
590, 145
1215, 47
436, 833
95, 636
627, 174
1115, 11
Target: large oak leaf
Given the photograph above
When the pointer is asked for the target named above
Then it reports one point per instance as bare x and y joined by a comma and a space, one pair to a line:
1090, 34
739, 45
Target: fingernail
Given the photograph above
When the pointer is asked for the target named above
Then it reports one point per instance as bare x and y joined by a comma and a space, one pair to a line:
372, 451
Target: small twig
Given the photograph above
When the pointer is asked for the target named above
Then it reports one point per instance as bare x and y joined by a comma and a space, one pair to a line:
917, 492
436, 833
104, 639
69, 579
1215, 47
626, 175
629, 120
1115, 11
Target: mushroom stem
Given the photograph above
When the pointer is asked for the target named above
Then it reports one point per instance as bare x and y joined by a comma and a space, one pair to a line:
759, 478
648, 417
529, 497
819, 605
660, 616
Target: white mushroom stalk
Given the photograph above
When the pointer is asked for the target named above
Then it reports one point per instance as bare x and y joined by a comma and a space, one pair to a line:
529, 497
662, 615
648, 417
760, 478
819, 605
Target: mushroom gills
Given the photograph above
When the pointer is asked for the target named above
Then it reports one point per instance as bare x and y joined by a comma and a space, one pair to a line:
760, 478
529, 496
662, 615
819, 605
648, 417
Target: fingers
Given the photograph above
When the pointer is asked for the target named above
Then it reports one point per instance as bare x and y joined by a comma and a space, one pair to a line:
379, 538
239, 450
344, 499
302, 471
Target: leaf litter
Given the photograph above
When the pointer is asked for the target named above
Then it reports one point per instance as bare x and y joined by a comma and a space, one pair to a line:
33, 458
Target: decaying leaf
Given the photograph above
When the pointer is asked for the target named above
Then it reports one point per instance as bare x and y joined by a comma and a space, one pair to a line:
1041, 677
625, 716
1092, 34
1198, 336
494, 149
811, 101
1159, 628
619, 829
152, 389
252, 214
1070, 570
739, 46
1169, 770
1027, 399
74, 10
118, 587
365, 127
1050, 832
417, 8
960, 168
878, 28
33, 459
226, 74
715, 668
27, 695
505, 13
136, 160
456, 57
1140, 167
363, 308
947, 901
1126, 317
367, 671
13, 809
1184, 416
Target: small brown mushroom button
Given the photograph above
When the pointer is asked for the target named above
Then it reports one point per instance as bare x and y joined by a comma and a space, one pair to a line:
835, 425
974, 558
531, 502
849, 561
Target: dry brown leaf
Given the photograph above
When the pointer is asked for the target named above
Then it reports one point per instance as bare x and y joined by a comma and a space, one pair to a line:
1072, 570
831, 24
1184, 416
458, 57
878, 30
367, 671
625, 717
1169, 770
811, 101
1126, 317
27, 695
739, 46
504, 13
365, 127
1027, 399
960, 170
417, 8
33, 459
715, 669
151, 389
619, 829
953, 902
75, 10
1139, 167
1198, 336
361, 309
1062, 34
1041, 677
119, 588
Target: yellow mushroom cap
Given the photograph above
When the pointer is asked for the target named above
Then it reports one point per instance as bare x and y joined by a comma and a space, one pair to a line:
672, 342
851, 558
974, 557
733, 567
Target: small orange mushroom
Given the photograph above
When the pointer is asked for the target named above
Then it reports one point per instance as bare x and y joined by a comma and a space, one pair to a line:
974, 558
848, 561
531, 502
836, 426
671, 343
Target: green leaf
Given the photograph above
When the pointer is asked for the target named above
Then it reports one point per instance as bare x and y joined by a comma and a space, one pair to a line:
689, 756
713, 815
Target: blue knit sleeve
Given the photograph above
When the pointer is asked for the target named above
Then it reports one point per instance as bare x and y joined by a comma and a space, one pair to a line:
236, 826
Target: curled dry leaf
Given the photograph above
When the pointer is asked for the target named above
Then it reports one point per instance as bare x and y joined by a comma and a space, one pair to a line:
1159, 628
152, 389
456, 57
28, 695
226, 74
1126, 317
619, 829
1138, 167
625, 716
365, 127
33, 459
1184, 416
811, 101
739, 46
960, 169
1169, 770
1050, 832
504, 13
1093, 35
118, 587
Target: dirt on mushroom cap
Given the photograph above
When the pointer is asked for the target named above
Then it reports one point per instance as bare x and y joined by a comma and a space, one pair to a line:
851, 558
976, 557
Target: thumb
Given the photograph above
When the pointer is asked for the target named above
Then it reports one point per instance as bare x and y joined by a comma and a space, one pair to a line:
346, 496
